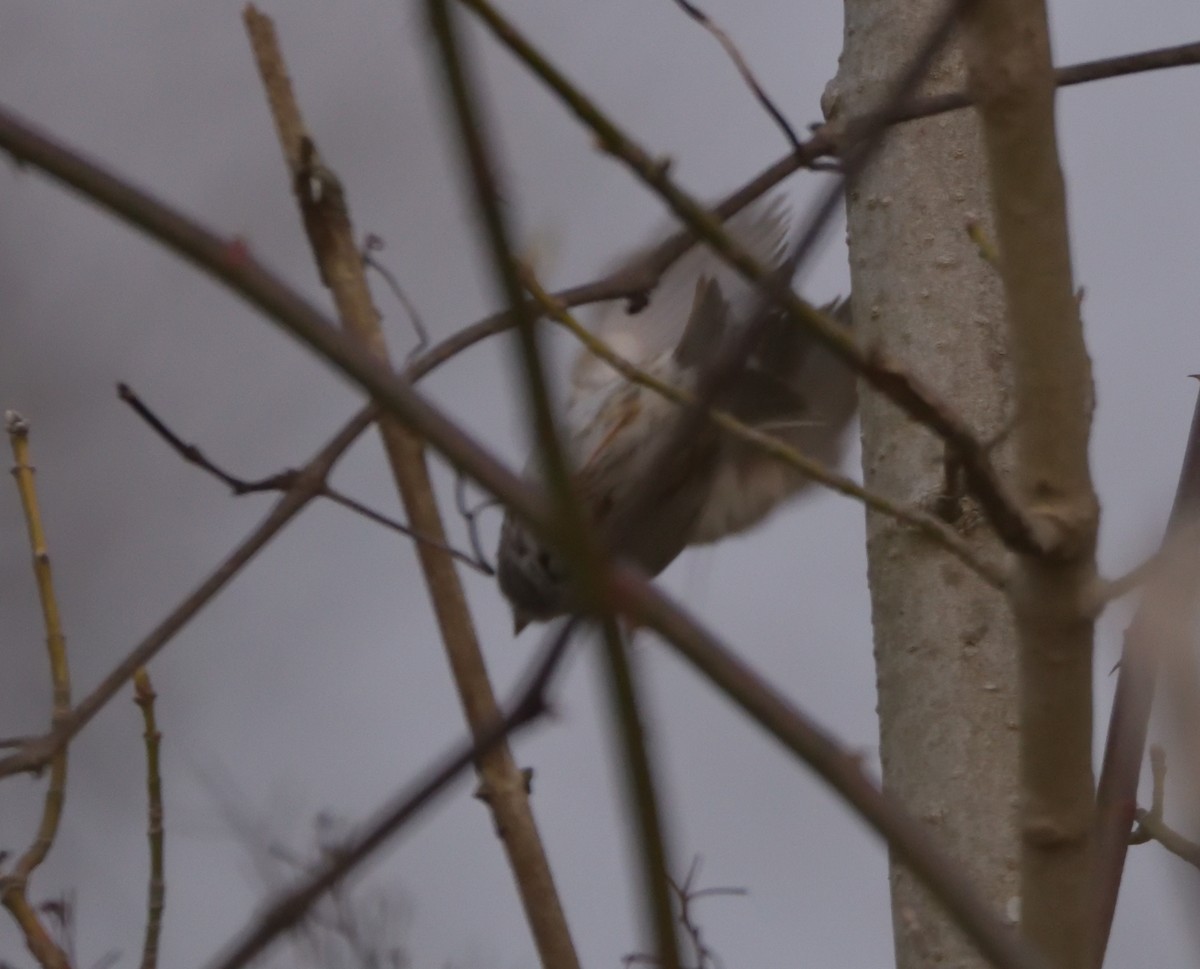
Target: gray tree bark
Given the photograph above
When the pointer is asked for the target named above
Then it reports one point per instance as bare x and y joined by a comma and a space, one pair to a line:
944, 641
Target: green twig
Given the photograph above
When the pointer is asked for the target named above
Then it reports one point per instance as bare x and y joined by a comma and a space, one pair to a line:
14, 884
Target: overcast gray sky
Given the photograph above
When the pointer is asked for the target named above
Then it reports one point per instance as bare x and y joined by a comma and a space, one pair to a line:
317, 682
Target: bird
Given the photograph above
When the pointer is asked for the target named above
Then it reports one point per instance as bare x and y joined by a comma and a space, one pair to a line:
613, 430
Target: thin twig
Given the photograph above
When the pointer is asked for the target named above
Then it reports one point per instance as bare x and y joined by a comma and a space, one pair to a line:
373, 244
14, 883
1184, 55
473, 560
63, 911
825, 139
688, 895
230, 262
282, 481
743, 68
364, 922
144, 696
530, 703
190, 453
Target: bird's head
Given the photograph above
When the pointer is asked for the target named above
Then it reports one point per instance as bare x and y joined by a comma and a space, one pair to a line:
530, 575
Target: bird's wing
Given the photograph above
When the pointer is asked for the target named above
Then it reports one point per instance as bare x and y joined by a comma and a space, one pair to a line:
791, 386
641, 337
748, 483
706, 326
617, 424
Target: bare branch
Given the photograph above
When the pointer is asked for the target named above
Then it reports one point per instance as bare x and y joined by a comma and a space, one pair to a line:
1184, 55
144, 696
824, 141
280, 481
626, 710
1158, 830
473, 560
460, 94
686, 895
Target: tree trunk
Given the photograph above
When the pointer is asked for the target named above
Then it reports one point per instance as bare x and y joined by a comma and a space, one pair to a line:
944, 641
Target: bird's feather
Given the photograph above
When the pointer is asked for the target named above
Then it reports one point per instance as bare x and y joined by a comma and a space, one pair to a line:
748, 483
707, 326
641, 337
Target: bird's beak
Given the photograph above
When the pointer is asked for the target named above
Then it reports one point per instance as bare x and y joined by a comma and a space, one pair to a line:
521, 619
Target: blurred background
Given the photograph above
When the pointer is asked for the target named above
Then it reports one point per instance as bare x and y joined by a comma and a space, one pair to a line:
317, 683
